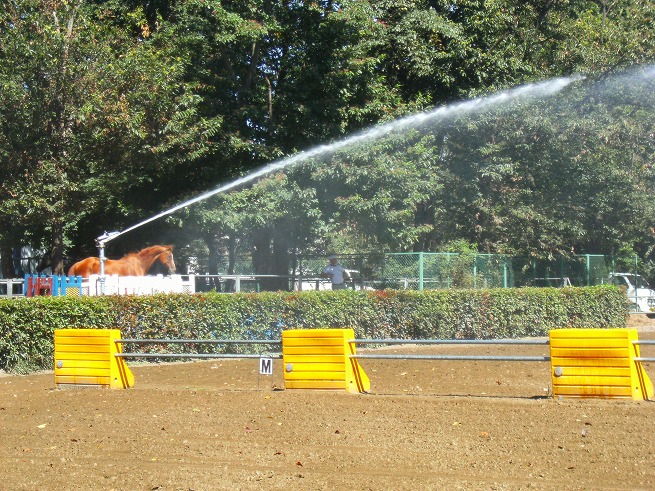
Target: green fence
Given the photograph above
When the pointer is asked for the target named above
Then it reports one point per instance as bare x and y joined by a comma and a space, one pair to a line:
427, 270
436, 270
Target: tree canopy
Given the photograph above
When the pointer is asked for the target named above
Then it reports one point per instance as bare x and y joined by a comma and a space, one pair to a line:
112, 111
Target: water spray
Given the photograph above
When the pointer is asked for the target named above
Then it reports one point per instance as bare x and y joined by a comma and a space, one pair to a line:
541, 89
536, 89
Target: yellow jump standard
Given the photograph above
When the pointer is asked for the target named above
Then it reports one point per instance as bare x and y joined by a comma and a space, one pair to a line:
85, 357
597, 363
320, 359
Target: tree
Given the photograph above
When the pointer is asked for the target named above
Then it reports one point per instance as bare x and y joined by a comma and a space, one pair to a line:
92, 119
380, 195
565, 175
287, 75
267, 220
110, 110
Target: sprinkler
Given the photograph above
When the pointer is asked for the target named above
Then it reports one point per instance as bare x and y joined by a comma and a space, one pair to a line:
100, 242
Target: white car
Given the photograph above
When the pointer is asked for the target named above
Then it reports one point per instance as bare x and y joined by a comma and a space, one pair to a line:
639, 292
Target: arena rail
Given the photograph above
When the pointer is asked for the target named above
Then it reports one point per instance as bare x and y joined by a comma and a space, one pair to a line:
450, 357
584, 362
644, 342
197, 355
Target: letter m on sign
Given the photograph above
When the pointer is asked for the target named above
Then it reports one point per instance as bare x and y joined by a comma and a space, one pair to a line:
266, 366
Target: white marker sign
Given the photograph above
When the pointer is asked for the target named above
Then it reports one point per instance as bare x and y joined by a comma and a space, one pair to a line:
266, 366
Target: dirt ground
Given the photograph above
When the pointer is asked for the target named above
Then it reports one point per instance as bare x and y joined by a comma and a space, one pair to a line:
215, 425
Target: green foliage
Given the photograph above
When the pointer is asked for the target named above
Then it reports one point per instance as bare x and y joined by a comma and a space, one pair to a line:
26, 325
90, 118
112, 109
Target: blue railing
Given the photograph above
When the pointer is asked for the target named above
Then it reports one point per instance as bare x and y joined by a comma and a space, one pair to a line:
57, 286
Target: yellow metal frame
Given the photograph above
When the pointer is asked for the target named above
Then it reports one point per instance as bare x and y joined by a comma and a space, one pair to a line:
85, 357
597, 363
320, 359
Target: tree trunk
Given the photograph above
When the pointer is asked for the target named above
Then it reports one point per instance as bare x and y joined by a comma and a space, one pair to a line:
270, 256
212, 260
231, 260
280, 265
261, 256
57, 252
7, 261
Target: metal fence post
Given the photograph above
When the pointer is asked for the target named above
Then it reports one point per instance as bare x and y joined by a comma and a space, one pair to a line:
475, 271
504, 272
420, 271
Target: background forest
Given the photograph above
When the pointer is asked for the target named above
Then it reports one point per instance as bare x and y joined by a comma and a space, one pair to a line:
112, 111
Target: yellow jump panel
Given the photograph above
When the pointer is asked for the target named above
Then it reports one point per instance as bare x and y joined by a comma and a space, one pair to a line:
597, 363
320, 359
86, 357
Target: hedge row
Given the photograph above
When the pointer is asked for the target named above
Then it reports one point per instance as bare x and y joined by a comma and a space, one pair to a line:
26, 325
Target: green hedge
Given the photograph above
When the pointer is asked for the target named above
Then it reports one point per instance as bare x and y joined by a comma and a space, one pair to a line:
26, 325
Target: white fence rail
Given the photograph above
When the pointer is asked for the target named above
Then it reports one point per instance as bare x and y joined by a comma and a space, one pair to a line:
114, 285
11, 287
139, 285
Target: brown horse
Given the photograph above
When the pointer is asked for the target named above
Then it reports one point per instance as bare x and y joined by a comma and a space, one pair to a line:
134, 264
